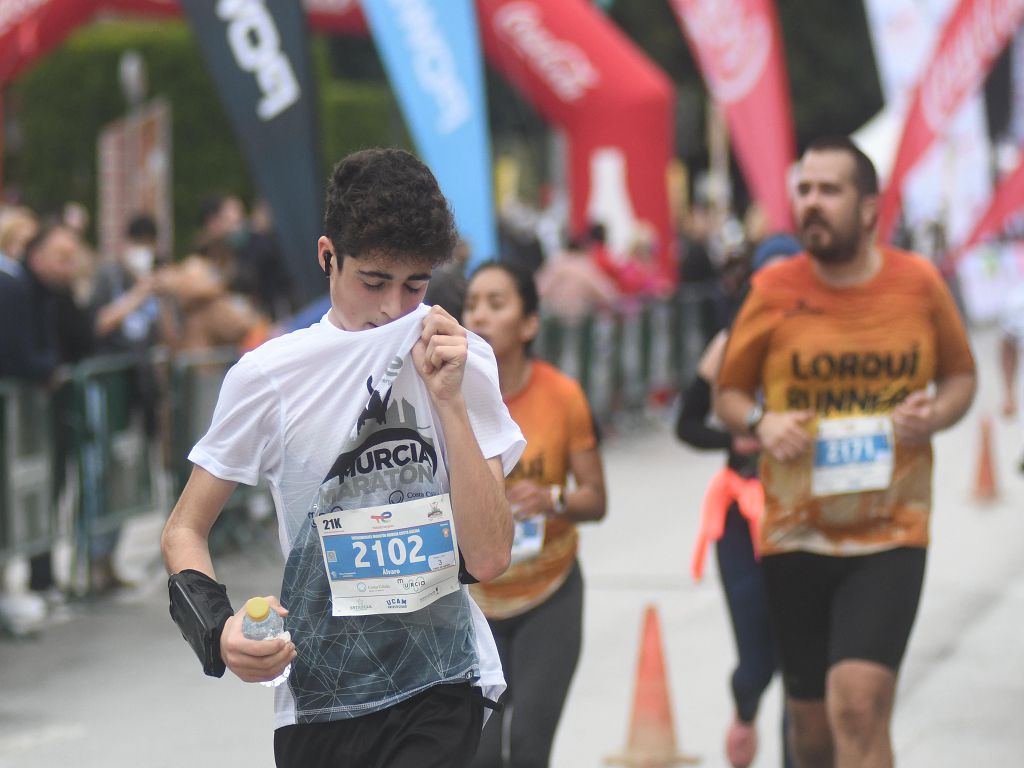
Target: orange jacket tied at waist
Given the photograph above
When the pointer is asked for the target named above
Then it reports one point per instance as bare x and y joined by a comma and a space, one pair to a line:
725, 488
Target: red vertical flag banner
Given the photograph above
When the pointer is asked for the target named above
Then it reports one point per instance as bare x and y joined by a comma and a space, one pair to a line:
738, 44
976, 33
1007, 201
583, 74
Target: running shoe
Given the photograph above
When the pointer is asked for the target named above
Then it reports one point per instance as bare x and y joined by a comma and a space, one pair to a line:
740, 743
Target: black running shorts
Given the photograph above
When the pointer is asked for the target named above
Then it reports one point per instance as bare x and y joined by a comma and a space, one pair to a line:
829, 609
439, 728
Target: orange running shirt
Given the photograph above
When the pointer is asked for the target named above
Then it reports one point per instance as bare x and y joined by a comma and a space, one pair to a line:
553, 414
845, 352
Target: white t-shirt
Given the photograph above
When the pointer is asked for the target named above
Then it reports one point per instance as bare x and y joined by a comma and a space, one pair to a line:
294, 411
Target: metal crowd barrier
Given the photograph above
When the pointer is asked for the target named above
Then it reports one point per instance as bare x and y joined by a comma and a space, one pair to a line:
90, 432
28, 522
637, 356
111, 455
195, 379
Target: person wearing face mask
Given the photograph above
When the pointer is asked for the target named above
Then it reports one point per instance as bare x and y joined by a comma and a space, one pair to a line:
126, 304
535, 609
129, 320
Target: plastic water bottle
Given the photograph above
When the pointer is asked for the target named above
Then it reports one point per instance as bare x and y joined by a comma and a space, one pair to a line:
261, 622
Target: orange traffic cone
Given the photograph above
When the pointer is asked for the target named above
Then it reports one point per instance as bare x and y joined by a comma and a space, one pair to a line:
985, 484
652, 737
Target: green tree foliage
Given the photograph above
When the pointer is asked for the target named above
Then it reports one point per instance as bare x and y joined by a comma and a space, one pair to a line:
61, 105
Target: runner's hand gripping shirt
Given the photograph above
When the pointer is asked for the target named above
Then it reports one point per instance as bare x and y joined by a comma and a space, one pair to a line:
553, 411
343, 429
851, 355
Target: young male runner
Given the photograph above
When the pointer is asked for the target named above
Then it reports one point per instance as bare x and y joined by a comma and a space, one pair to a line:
846, 342
363, 425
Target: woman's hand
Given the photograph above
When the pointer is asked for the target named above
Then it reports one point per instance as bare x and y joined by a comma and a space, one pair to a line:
528, 499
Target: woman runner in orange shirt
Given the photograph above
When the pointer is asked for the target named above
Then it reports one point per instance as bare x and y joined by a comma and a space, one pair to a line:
535, 608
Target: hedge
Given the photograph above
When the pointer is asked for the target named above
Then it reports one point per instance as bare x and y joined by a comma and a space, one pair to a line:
60, 106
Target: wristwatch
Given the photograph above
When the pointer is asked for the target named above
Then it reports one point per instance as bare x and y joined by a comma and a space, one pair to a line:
754, 417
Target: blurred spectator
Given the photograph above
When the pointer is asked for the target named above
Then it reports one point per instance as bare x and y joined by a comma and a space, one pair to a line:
246, 253
75, 217
17, 226
638, 274
733, 280
58, 332
221, 233
210, 315
773, 247
447, 287
42, 327
755, 223
220, 218
695, 265
635, 274
261, 271
597, 247
128, 311
571, 286
519, 245
128, 320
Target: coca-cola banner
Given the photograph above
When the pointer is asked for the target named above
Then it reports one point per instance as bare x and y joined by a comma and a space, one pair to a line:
614, 105
950, 183
974, 36
1007, 201
738, 44
29, 28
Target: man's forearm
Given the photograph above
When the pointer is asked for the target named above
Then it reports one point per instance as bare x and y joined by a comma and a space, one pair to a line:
953, 396
482, 517
733, 406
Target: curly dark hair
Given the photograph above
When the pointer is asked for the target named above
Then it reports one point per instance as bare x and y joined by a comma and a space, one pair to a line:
386, 200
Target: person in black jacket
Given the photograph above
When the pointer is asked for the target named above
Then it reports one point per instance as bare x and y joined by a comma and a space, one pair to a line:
730, 518
43, 329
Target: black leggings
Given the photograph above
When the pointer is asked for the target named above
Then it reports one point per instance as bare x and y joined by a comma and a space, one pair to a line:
539, 651
743, 584
748, 610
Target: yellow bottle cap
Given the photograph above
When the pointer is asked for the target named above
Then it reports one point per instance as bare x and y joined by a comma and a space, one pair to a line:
257, 608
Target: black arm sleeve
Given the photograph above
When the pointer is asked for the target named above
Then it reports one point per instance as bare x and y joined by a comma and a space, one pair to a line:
691, 426
200, 607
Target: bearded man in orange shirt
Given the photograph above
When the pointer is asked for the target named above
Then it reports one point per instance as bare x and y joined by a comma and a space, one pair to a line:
843, 362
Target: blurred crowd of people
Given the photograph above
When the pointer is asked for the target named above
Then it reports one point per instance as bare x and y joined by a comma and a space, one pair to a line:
580, 274
62, 301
